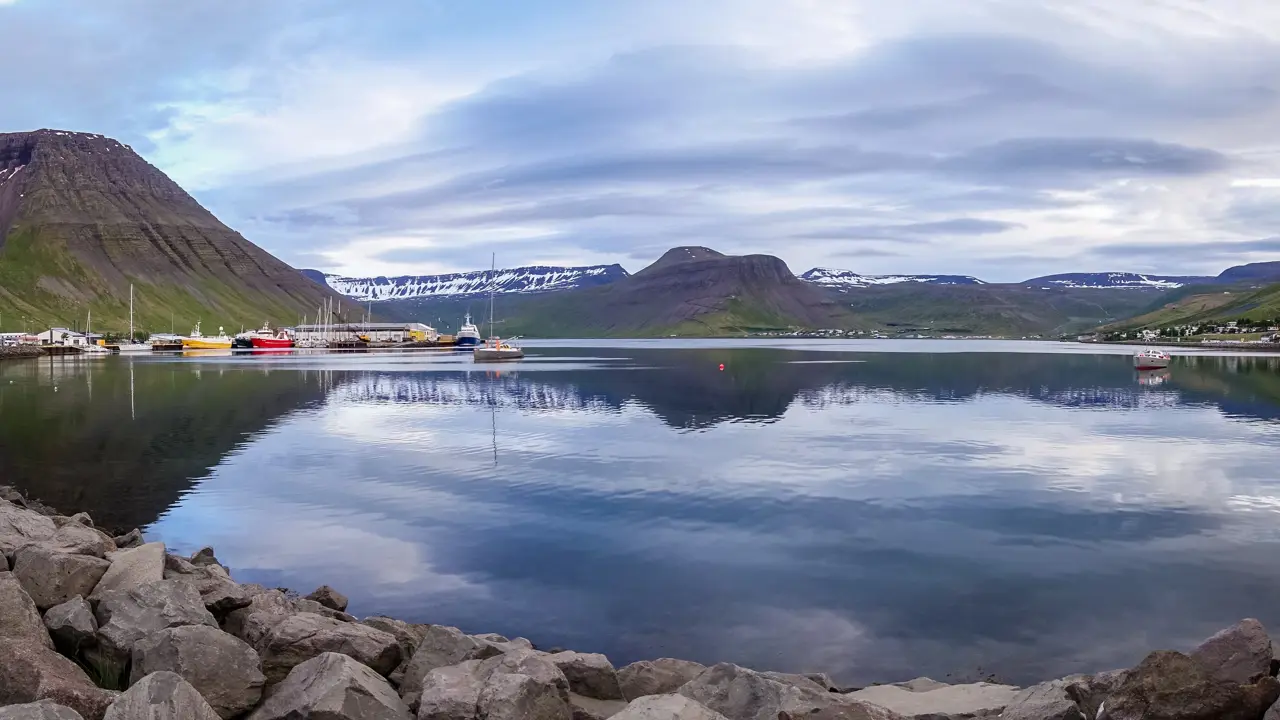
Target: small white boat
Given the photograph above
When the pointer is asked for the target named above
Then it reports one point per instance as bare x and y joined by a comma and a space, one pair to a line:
134, 348
497, 349
96, 350
468, 335
1151, 359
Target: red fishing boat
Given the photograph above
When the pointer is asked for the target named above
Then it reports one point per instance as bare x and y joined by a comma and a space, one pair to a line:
280, 341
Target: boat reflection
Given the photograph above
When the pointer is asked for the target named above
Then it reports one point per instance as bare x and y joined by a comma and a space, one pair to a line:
1153, 378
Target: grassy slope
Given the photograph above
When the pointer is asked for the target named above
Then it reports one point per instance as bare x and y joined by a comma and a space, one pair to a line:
1215, 305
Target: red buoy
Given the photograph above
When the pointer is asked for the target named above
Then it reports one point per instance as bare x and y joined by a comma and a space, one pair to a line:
721, 366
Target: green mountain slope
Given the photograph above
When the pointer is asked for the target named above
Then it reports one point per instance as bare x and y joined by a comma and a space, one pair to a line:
1209, 304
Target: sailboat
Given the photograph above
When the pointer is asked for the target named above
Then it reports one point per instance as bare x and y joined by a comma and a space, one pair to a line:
92, 348
131, 346
496, 349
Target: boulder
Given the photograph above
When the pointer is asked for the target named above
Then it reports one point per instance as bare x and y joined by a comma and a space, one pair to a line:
521, 684
298, 638
407, 635
331, 686
131, 539
204, 557
329, 598
30, 672
81, 540
656, 677
741, 694
1239, 653
585, 708
667, 707
127, 616
51, 577
921, 684
859, 712
959, 700
1089, 692
220, 594
589, 674
19, 618
515, 696
161, 696
1168, 685
43, 710
1046, 701
530, 663
226, 671
448, 693
311, 606
20, 526
441, 646
132, 568
803, 681
81, 518
72, 626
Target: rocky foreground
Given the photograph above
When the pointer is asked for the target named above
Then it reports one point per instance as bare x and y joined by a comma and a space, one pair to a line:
20, 351
94, 626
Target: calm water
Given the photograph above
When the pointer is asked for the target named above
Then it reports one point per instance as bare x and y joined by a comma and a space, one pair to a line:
878, 510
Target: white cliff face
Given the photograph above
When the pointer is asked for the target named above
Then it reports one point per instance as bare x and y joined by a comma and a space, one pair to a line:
515, 280
840, 279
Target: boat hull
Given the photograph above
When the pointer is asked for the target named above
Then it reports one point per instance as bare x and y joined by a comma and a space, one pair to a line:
1148, 363
465, 341
272, 343
205, 344
491, 355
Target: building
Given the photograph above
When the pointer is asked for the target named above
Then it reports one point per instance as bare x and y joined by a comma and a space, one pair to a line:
62, 336
11, 339
373, 332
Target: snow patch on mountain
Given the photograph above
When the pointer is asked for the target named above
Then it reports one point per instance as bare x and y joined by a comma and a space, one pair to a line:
842, 279
523, 280
1113, 280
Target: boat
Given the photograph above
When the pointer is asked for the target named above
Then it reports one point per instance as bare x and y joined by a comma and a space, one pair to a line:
282, 340
96, 350
1151, 359
245, 340
198, 341
495, 349
132, 346
468, 335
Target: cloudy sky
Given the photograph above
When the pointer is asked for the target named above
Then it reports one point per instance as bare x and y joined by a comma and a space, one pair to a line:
1000, 138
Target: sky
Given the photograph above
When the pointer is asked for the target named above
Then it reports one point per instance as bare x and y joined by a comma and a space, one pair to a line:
999, 138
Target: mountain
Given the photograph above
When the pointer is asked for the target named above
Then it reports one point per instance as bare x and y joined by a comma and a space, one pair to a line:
1264, 272
83, 216
1116, 280
845, 279
1207, 304
533, 279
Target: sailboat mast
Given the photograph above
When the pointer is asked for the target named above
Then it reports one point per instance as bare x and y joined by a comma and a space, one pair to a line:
493, 271
131, 316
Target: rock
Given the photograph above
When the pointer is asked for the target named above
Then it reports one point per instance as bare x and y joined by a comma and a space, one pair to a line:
589, 674
1272, 714
300, 637
921, 684
656, 677
161, 696
329, 598
72, 626
81, 540
441, 646
265, 610
530, 663
823, 681
408, 635
449, 693
514, 696
741, 694
1240, 653
132, 568
311, 606
860, 712
30, 672
128, 616
19, 618
220, 594
226, 671
52, 578
1168, 685
1089, 693
19, 526
803, 681
1046, 701
585, 708
331, 686
204, 557
667, 707
131, 539
82, 518
962, 700
43, 710
521, 684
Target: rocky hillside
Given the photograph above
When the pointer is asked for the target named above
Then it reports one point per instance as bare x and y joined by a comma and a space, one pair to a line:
83, 216
521, 280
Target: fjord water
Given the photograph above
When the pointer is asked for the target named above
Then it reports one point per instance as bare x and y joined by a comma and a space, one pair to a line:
1027, 510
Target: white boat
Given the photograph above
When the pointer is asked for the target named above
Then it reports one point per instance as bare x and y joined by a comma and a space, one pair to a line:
468, 334
96, 350
1151, 359
131, 346
495, 349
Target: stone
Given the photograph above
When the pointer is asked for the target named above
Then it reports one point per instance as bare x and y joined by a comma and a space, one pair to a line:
860, 712
300, 637
589, 674
30, 672
823, 681
20, 526
331, 686
921, 684
656, 677
963, 700
585, 708
1273, 713
1168, 685
408, 635
80, 539
220, 594
515, 696
132, 568
128, 616
51, 577
204, 556
1239, 653
1089, 692
449, 693
161, 696
225, 671
19, 618
131, 539
311, 606
741, 694
1046, 701
441, 646
523, 683
72, 626
43, 710
803, 681
265, 610
530, 663
667, 707
329, 598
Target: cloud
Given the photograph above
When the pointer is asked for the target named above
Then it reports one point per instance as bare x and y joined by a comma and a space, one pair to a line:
1239, 250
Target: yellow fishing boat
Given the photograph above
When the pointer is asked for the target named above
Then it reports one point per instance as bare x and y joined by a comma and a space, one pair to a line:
197, 341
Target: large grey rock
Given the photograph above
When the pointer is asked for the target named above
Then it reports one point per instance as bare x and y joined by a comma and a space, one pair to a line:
515, 696
589, 674
1089, 692
441, 646
667, 707
19, 618
30, 672
132, 568
803, 681
956, 700
1239, 653
530, 663
657, 677
329, 598
81, 518
741, 694
264, 611
300, 637
407, 635
131, 539
128, 616
161, 696
331, 686
52, 577
226, 671
43, 710
204, 556
20, 526
519, 684
1046, 701
448, 693
72, 626
221, 595
585, 708
81, 540
1168, 685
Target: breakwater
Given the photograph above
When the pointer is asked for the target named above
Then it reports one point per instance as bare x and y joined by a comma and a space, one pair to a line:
20, 351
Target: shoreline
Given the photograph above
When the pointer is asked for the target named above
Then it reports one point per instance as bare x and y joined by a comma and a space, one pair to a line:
109, 626
17, 352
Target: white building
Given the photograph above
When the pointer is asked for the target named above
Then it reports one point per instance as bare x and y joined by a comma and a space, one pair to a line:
63, 336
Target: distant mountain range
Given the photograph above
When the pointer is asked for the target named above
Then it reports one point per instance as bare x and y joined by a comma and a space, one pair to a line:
845, 279
534, 279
